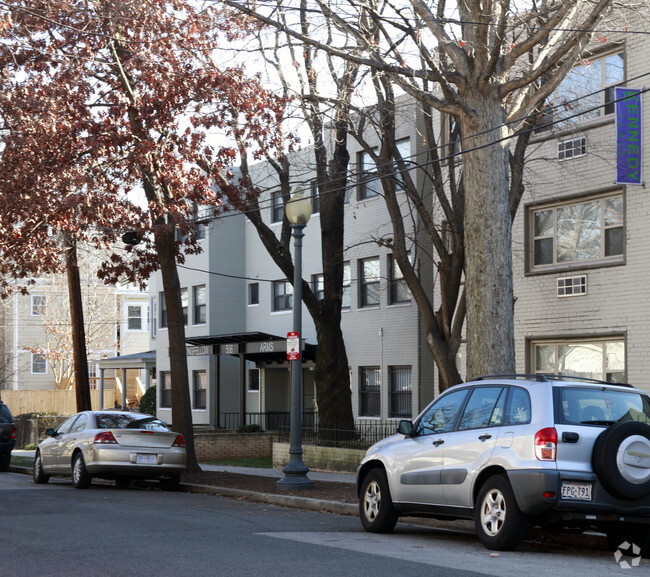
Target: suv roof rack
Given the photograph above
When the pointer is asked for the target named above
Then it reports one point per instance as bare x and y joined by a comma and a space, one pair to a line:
541, 378
554, 377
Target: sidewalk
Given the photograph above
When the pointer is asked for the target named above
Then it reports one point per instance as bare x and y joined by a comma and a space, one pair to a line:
277, 473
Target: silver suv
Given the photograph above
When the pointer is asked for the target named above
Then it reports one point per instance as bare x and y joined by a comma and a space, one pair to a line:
519, 450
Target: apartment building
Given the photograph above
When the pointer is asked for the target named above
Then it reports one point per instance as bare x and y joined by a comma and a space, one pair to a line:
582, 233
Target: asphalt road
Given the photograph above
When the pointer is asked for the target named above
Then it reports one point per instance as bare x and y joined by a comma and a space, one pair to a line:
56, 531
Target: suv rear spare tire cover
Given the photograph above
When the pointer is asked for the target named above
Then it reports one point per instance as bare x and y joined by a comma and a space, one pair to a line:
621, 459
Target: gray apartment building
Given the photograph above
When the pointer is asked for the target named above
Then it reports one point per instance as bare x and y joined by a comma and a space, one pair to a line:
580, 252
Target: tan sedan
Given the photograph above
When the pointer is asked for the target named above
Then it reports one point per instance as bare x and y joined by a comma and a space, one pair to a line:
117, 445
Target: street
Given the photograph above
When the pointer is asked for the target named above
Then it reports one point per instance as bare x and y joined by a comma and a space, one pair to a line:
56, 531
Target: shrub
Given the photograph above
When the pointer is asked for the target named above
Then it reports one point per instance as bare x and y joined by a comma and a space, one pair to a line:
250, 429
148, 402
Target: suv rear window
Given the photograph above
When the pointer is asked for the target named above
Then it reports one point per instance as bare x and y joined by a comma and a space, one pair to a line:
5, 414
582, 405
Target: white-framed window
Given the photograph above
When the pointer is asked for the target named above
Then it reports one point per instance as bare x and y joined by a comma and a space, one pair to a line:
254, 294
347, 286
571, 286
134, 317
398, 290
401, 391
404, 148
369, 285
282, 296
253, 380
369, 392
39, 364
165, 389
369, 184
587, 92
200, 388
38, 305
154, 317
572, 148
601, 359
199, 302
277, 206
318, 286
163, 310
185, 303
578, 232
202, 216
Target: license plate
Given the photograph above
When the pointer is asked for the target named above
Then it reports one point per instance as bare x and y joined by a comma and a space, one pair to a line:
576, 491
142, 459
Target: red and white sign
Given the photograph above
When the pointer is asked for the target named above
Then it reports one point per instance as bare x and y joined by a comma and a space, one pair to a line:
293, 346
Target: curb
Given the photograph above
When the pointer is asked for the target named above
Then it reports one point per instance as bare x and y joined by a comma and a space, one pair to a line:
306, 503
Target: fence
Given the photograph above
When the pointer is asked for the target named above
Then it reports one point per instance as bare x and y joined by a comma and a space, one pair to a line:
269, 421
53, 401
362, 437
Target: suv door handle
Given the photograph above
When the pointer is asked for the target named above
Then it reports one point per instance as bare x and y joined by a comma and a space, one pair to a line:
485, 437
570, 437
438, 442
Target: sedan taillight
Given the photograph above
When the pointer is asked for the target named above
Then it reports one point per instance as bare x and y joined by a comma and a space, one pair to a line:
105, 438
179, 442
13, 432
546, 444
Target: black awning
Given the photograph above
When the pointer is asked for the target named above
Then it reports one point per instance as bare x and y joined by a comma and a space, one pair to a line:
255, 346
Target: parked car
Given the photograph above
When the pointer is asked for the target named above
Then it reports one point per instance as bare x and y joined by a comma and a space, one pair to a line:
509, 452
7, 436
111, 444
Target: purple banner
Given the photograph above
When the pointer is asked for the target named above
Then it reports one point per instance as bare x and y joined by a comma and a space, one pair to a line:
628, 136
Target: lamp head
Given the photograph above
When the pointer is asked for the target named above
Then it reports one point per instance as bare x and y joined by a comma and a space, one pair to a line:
298, 208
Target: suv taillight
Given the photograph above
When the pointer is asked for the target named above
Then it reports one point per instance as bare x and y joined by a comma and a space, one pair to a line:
13, 432
546, 444
105, 438
179, 442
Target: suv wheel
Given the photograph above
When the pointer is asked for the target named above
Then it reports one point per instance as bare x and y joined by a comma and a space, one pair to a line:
5, 461
621, 459
378, 515
500, 525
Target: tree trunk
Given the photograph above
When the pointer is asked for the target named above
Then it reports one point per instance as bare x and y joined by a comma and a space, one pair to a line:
79, 355
488, 239
181, 404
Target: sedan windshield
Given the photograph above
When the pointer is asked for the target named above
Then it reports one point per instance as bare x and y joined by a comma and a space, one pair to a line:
602, 406
129, 421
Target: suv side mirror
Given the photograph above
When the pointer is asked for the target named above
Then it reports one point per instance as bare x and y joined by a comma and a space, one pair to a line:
405, 428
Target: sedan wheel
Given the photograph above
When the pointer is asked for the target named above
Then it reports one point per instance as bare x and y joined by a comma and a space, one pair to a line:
500, 525
39, 476
81, 479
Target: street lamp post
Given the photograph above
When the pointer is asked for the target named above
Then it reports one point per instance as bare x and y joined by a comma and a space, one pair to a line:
298, 211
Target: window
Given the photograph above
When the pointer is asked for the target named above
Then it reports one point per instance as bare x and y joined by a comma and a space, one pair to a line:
253, 380
400, 392
368, 180
80, 424
369, 289
484, 408
199, 299
398, 291
454, 137
572, 148
199, 385
277, 206
39, 305
154, 317
163, 311
580, 232
165, 389
202, 216
347, 283
318, 286
404, 148
569, 286
254, 293
315, 197
593, 359
134, 314
39, 364
282, 296
369, 392
518, 407
442, 415
587, 92
185, 303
